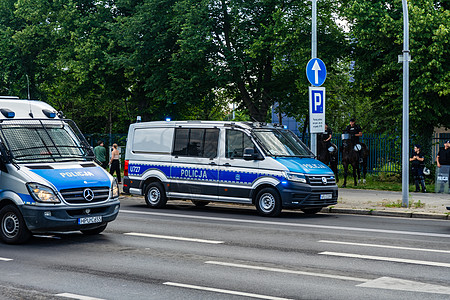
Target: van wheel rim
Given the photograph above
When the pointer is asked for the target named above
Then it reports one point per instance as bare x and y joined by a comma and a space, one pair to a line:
10, 225
267, 202
154, 195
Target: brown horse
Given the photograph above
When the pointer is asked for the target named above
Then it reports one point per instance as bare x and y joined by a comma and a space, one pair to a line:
330, 159
350, 157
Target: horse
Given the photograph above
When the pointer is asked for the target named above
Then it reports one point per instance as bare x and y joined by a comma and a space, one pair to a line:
350, 157
330, 159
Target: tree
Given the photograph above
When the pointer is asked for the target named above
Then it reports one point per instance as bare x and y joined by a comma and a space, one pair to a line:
376, 35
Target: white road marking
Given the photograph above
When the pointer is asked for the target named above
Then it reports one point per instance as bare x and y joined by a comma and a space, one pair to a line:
286, 271
222, 291
177, 238
75, 296
381, 283
385, 246
392, 259
339, 228
5, 259
405, 285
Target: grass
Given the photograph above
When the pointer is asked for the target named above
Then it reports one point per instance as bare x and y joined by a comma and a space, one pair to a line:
399, 204
382, 182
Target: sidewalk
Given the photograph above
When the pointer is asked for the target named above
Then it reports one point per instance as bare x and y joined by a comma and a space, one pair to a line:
379, 203
371, 202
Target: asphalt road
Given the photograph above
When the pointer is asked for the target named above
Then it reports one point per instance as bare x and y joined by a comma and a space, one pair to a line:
224, 252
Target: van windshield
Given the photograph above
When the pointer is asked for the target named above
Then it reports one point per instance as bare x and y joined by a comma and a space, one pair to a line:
281, 142
28, 141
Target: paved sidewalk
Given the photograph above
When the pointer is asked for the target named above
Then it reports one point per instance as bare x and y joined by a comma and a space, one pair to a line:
422, 205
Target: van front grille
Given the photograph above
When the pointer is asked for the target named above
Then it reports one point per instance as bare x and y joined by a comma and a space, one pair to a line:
318, 180
76, 196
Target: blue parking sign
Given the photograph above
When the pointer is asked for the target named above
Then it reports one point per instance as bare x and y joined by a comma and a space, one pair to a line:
316, 109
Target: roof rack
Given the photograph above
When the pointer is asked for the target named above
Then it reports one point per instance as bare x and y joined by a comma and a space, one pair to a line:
8, 97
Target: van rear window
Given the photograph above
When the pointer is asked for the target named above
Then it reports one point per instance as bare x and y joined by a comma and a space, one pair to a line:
153, 140
196, 142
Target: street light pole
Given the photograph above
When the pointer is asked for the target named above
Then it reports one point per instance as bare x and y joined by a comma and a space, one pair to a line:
405, 133
314, 55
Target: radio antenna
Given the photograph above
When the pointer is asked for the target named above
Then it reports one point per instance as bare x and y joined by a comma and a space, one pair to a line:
28, 84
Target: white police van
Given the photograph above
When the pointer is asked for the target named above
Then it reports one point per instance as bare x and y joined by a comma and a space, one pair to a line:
49, 180
248, 163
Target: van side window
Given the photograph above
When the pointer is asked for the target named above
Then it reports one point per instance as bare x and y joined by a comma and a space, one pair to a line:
196, 142
236, 142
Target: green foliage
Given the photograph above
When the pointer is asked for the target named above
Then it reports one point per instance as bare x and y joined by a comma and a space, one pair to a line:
104, 62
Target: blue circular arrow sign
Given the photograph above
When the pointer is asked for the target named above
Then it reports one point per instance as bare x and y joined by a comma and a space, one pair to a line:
316, 72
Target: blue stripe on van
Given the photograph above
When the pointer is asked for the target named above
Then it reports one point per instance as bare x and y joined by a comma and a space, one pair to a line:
200, 174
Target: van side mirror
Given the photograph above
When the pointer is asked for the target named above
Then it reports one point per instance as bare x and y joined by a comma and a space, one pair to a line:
250, 154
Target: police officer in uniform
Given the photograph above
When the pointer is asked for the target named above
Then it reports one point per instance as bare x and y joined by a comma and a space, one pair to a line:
327, 135
443, 161
355, 131
417, 164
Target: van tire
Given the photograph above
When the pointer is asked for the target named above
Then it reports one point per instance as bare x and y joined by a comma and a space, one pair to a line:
268, 202
155, 196
13, 228
94, 231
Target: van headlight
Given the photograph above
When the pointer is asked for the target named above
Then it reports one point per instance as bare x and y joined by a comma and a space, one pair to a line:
42, 193
114, 189
298, 177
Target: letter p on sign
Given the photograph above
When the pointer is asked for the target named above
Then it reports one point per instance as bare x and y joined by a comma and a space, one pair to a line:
317, 102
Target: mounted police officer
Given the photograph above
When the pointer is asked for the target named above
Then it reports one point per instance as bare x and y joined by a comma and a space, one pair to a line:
327, 135
355, 131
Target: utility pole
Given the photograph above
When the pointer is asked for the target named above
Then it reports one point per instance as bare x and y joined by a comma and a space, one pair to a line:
314, 55
405, 134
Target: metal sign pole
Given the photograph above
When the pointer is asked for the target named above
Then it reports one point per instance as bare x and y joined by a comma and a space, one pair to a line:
405, 134
314, 55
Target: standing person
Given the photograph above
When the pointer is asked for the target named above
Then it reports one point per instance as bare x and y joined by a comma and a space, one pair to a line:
115, 163
443, 164
100, 154
355, 131
417, 164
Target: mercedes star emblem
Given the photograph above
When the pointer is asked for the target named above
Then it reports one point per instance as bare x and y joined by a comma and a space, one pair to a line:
88, 194
324, 180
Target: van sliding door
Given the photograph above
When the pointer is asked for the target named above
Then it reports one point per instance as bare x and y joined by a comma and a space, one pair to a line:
194, 169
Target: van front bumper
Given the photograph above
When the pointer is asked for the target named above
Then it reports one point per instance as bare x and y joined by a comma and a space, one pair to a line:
67, 218
298, 195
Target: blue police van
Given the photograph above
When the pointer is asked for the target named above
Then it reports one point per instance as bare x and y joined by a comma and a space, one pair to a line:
49, 179
236, 162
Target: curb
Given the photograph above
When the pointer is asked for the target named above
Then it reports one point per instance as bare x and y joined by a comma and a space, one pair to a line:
373, 212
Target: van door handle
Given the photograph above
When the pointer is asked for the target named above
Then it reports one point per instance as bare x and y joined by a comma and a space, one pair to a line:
227, 165
213, 164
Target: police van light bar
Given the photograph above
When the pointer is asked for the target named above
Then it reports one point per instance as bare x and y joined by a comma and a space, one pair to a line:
49, 113
168, 119
7, 113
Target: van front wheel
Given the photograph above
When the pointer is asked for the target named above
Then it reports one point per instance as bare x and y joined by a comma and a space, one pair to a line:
13, 228
155, 196
268, 202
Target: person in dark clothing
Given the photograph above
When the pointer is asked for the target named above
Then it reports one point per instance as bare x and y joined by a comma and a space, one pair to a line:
417, 164
443, 164
355, 131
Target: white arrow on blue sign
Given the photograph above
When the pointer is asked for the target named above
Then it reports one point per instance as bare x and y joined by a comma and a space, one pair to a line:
316, 71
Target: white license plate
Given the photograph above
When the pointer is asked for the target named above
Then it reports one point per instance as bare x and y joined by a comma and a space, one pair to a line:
326, 196
90, 220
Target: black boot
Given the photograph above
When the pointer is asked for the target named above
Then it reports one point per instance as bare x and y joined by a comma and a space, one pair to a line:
417, 186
